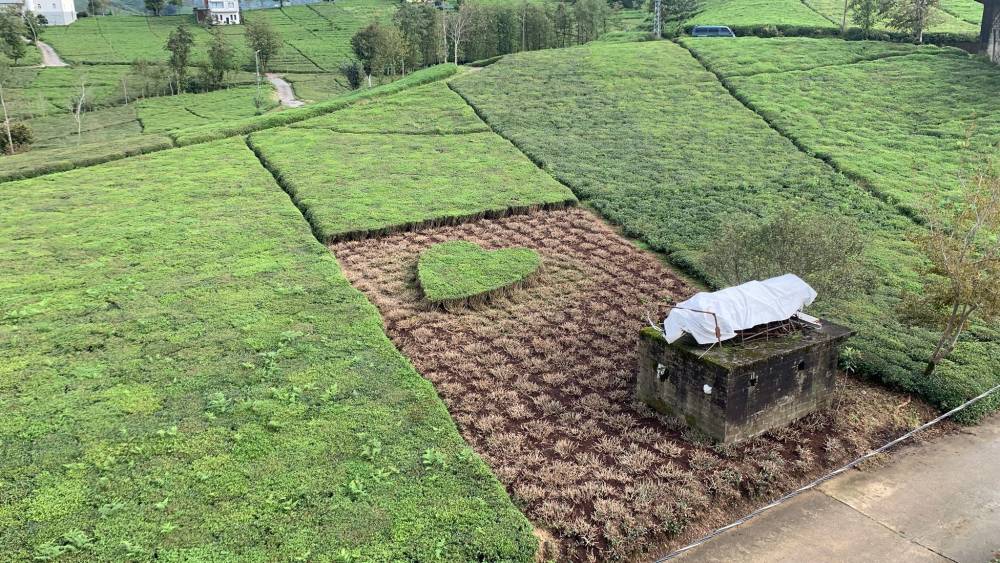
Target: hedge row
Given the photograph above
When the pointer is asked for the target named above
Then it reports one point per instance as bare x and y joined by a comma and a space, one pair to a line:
853, 34
47, 161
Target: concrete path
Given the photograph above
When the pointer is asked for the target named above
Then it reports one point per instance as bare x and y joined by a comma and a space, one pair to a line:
285, 92
49, 55
936, 502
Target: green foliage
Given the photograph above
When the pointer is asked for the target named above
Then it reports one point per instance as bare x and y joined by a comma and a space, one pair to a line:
179, 45
21, 137
458, 270
263, 42
134, 303
396, 181
221, 60
680, 157
12, 33
429, 109
826, 253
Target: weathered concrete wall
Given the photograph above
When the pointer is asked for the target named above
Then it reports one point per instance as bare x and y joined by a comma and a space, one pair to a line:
754, 386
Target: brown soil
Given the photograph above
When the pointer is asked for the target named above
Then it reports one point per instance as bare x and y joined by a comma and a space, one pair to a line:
541, 385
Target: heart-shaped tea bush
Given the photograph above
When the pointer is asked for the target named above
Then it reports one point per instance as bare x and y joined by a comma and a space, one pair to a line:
459, 271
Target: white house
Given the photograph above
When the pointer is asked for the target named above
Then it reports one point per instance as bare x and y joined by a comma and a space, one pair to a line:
217, 12
56, 12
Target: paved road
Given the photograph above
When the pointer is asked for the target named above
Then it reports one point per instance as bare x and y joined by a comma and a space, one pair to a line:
285, 92
49, 55
936, 502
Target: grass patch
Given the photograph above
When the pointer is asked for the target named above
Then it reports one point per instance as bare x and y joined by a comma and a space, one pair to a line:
458, 271
42, 161
356, 185
676, 156
429, 109
176, 389
317, 86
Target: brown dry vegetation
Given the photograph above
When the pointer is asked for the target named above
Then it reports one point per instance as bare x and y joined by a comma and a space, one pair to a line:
541, 384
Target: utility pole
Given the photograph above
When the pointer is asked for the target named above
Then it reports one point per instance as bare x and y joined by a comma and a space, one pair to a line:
657, 19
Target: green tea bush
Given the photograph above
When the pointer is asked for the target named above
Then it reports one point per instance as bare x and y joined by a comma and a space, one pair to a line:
185, 391
390, 182
645, 135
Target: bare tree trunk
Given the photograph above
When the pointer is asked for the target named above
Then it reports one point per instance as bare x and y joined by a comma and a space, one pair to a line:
843, 19
78, 112
6, 122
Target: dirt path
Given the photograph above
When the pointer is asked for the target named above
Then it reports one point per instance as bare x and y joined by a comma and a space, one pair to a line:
935, 502
49, 55
285, 92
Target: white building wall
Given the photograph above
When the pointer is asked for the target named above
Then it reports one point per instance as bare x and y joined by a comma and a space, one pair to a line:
57, 12
224, 12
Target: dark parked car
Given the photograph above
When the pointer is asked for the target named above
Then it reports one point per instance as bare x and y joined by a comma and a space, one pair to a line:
712, 31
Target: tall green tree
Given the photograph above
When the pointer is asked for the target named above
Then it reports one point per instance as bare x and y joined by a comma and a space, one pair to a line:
179, 45
911, 16
420, 25
591, 19
155, 6
263, 40
221, 59
866, 14
12, 32
364, 43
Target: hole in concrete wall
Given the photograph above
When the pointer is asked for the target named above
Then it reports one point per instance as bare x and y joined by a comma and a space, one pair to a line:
802, 365
661, 372
753, 380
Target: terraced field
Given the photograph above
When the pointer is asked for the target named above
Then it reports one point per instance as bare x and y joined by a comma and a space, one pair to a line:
956, 20
392, 174
316, 37
680, 157
907, 146
187, 375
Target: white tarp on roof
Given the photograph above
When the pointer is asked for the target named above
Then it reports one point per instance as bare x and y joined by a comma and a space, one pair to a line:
738, 308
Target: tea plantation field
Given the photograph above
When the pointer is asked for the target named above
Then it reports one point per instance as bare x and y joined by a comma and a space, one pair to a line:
187, 375
679, 157
315, 38
432, 163
956, 20
897, 124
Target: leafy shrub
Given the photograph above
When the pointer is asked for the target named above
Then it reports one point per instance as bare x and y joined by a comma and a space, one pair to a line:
20, 134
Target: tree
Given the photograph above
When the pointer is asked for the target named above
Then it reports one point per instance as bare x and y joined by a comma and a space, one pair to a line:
961, 242
264, 40
18, 136
677, 10
221, 59
866, 14
458, 23
419, 25
35, 24
591, 19
98, 7
4, 77
364, 43
911, 16
353, 73
825, 253
12, 32
155, 6
381, 49
179, 44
